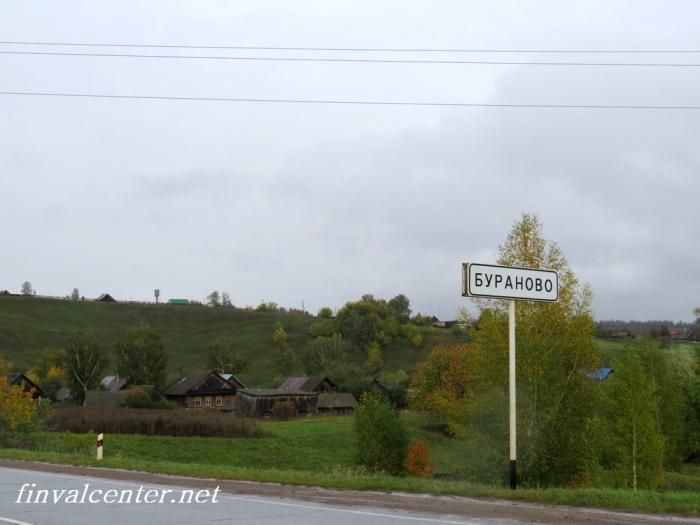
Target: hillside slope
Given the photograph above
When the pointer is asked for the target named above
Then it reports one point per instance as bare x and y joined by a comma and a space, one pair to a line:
30, 324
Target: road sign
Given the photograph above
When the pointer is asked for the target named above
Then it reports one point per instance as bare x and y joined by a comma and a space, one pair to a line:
509, 282
516, 284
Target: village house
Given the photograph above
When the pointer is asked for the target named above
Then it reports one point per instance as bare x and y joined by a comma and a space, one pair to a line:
208, 390
308, 384
19, 379
116, 398
260, 402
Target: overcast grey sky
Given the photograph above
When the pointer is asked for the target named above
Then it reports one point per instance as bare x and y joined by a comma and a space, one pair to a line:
325, 203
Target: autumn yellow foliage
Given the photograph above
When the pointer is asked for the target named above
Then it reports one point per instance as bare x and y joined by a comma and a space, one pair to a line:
17, 408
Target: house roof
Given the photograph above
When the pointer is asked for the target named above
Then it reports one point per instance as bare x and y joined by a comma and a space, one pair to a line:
333, 400
308, 384
184, 385
178, 301
17, 378
115, 398
105, 398
113, 382
105, 297
261, 392
601, 373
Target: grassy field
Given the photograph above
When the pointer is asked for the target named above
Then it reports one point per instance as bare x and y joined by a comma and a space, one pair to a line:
320, 451
29, 325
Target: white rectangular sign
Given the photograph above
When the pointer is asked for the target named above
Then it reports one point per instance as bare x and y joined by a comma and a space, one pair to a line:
507, 282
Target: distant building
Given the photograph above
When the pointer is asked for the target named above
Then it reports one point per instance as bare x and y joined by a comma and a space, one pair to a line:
114, 383
308, 384
260, 402
106, 298
179, 301
208, 390
336, 403
116, 398
19, 379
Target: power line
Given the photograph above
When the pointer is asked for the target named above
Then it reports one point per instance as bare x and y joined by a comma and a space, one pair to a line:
347, 102
359, 49
356, 60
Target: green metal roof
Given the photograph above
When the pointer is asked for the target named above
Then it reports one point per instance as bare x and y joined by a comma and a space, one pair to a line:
178, 301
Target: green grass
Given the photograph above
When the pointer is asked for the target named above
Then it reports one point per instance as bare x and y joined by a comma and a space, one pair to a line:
320, 451
641, 501
29, 324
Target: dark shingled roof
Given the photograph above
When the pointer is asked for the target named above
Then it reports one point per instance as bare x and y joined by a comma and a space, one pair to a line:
308, 384
335, 400
275, 392
16, 378
184, 384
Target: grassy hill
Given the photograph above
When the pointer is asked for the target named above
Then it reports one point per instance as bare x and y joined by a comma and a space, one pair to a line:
30, 324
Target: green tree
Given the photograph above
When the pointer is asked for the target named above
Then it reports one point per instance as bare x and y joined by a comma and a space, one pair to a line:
382, 436
325, 313
141, 357
400, 307
285, 358
84, 364
213, 299
322, 328
365, 321
323, 354
555, 343
443, 383
75, 295
632, 445
672, 370
223, 358
374, 360
49, 373
27, 288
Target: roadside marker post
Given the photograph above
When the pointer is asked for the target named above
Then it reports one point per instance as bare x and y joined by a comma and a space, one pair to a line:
100, 443
489, 281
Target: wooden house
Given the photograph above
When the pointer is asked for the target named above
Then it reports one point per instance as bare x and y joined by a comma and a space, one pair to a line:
106, 298
116, 398
336, 403
260, 402
308, 384
208, 390
19, 379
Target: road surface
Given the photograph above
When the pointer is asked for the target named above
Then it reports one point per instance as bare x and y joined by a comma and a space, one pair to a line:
251, 503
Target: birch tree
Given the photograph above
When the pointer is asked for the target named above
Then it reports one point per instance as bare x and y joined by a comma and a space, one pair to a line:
555, 346
84, 364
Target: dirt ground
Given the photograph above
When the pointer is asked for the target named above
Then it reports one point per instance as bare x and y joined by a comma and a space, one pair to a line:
519, 512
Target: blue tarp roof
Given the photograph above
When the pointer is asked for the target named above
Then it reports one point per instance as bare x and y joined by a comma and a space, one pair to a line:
601, 373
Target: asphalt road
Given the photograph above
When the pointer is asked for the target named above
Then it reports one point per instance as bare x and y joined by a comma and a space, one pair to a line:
229, 508
254, 503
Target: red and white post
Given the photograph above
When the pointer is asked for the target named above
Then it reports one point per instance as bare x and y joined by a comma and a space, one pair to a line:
100, 443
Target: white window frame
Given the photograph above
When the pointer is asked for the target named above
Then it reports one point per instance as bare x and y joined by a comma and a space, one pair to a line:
219, 401
198, 401
207, 401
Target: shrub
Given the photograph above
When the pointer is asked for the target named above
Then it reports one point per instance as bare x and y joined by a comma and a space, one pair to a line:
151, 422
284, 410
418, 462
382, 436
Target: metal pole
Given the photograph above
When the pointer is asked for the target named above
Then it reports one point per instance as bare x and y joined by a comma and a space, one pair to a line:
511, 391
